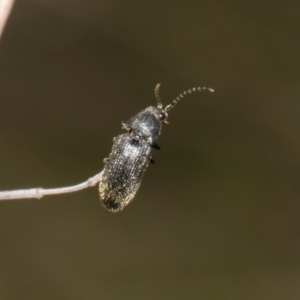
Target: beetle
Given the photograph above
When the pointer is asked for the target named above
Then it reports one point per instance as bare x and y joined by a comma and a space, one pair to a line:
131, 153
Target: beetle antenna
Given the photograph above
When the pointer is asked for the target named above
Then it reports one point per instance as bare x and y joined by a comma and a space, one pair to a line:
156, 92
183, 94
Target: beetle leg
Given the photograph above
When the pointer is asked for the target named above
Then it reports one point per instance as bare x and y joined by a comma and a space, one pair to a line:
124, 126
151, 160
155, 146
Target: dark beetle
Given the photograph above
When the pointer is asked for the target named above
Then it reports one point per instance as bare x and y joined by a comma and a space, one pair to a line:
130, 155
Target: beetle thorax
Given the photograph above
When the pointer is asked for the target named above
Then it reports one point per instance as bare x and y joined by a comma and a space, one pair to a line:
145, 124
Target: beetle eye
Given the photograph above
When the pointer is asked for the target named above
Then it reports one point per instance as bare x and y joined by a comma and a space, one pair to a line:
162, 116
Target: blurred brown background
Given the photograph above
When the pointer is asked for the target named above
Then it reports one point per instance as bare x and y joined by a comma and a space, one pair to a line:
217, 217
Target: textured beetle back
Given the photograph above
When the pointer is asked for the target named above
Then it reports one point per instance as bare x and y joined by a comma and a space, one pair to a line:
123, 171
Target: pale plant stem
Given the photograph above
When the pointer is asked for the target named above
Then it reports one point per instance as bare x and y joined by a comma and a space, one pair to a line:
5, 8
40, 192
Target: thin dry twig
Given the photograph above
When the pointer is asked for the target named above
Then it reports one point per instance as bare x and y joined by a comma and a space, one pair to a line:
40, 192
5, 9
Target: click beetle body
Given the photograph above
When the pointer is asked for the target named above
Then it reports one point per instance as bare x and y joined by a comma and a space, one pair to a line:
131, 153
